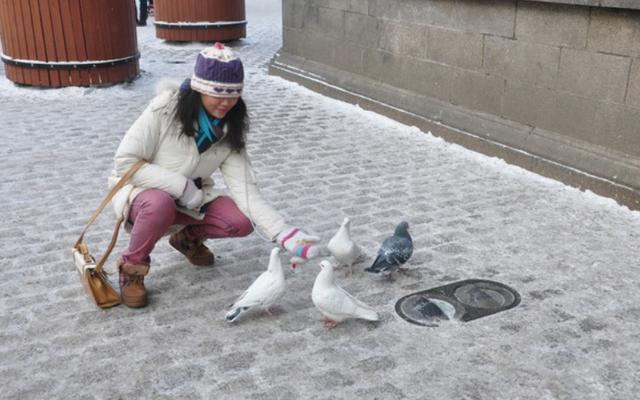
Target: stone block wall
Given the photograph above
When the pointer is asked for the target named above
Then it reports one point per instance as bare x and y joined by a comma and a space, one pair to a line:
568, 73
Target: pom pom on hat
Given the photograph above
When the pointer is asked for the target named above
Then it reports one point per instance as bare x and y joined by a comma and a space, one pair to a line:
218, 72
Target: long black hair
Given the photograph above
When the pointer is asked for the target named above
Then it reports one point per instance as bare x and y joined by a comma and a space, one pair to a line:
237, 119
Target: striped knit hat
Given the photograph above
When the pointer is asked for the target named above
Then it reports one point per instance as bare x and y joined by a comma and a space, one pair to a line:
218, 72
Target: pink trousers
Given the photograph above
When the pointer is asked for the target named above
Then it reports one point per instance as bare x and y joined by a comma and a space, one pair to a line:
154, 211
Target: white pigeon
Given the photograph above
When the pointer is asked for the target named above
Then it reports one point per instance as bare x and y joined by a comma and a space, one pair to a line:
264, 291
342, 247
334, 302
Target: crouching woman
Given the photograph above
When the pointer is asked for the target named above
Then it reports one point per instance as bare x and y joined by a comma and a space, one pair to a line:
185, 135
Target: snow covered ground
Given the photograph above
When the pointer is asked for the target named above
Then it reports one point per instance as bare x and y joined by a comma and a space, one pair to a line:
572, 256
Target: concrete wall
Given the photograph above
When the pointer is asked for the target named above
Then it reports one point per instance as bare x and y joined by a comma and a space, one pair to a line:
561, 81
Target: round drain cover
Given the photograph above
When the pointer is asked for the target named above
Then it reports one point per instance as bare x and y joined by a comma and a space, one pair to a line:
484, 295
465, 301
426, 311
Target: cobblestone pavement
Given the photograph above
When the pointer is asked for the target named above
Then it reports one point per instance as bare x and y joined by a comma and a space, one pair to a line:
571, 255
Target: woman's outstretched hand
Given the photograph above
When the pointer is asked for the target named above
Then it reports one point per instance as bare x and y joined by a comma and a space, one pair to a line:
301, 245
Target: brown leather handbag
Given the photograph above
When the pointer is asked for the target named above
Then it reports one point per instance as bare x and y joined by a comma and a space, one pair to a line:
93, 278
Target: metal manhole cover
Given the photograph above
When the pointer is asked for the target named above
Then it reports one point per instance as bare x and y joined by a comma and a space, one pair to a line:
465, 301
485, 294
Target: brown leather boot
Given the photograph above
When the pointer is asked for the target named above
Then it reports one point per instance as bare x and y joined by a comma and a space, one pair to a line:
132, 289
195, 251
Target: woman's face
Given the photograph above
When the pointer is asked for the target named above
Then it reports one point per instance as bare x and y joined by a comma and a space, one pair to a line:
218, 106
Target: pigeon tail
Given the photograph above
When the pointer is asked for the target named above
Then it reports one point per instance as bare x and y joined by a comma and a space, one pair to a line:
369, 315
235, 313
379, 265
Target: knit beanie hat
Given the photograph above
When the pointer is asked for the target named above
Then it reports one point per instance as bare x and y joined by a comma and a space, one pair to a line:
218, 72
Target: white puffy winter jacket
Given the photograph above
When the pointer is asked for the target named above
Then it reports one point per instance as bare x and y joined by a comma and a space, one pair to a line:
173, 158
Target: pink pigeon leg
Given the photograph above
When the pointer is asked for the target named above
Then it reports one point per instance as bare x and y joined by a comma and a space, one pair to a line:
329, 323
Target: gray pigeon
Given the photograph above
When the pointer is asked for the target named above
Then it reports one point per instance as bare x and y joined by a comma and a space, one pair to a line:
395, 251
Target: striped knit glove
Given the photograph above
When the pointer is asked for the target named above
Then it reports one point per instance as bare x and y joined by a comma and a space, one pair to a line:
299, 244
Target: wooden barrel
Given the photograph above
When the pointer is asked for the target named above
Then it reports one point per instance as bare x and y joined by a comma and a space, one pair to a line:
55, 43
200, 20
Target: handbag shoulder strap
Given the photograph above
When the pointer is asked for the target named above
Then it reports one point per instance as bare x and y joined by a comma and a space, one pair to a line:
123, 181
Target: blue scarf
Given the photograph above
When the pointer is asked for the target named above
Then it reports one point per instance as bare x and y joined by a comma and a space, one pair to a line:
209, 131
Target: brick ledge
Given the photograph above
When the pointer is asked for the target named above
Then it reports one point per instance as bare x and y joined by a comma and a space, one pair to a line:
626, 4
610, 175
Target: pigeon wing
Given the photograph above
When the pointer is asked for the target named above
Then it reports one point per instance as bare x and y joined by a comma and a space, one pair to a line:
351, 253
393, 252
402, 250
259, 293
339, 305
354, 308
381, 263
